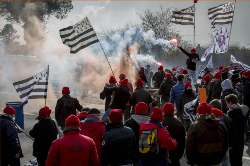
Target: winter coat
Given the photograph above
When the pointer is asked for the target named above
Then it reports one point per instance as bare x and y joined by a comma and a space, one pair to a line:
140, 95
165, 143
230, 128
246, 93
193, 58
104, 95
237, 113
165, 89
158, 78
176, 92
177, 131
119, 96
143, 76
73, 149
183, 99
119, 145
10, 144
210, 75
207, 142
65, 107
214, 92
44, 132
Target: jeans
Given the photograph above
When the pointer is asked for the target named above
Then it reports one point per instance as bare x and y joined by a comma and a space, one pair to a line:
225, 160
236, 157
192, 74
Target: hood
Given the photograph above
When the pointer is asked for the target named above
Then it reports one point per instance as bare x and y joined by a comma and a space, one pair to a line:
244, 109
124, 88
226, 84
90, 119
91, 126
148, 126
139, 87
6, 116
168, 81
210, 123
140, 118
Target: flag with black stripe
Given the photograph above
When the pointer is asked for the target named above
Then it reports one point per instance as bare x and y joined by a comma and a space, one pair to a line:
222, 14
34, 87
184, 17
79, 36
244, 66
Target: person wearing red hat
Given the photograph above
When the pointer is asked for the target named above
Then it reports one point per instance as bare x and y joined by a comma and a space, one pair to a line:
177, 90
164, 140
134, 122
207, 83
65, 107
245, 86
140, 95
220, 68
191, 62
44, 133
73, 148
83, 115
142, 75
119, 143
165, 89
202, 134
149, 75
176, 130
158, 77
11, 150
215, 88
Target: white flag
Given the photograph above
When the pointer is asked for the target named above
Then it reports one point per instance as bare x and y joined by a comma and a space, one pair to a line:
189, 111
207, 52
210, 63
221, 39
244, 66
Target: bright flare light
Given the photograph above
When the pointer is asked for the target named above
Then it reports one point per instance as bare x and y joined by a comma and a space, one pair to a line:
174, 41
158, 63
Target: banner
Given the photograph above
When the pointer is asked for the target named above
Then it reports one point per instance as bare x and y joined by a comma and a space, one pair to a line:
202, 95
221, 39
207, 52
210, 64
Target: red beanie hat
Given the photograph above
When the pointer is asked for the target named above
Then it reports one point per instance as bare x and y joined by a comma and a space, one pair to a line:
193, 50
217, 112
168, 108
157, 114
204, 108
246, 73
112, 80
122, 76
217, 75
217, 67
187, 84
207, 78
226, 68
174, 69
82, 115
160, 68
223, 70
45, 111
184, 71
141, 108
168, 75
72, 120
142, 68
124, 82
221, 67
139, 82
115, 116
9, 110
65, 90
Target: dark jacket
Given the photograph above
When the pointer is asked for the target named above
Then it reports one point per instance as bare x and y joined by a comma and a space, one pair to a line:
143, 76
183, 99
230, 128
165, 89
119, 96
44, 132
10, 144
104, 95
158, 78
176, 92
119, 145
214, 92
246, 93
177, 131
207, 142
223, 102
193, 58
140, 95
65, 107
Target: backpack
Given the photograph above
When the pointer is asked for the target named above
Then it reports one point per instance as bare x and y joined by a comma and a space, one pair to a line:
148, 141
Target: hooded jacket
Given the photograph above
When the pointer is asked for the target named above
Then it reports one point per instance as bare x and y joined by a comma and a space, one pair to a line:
158, 78
165, 89
193, 58
214, 92
104, 95
207, 142
175, 93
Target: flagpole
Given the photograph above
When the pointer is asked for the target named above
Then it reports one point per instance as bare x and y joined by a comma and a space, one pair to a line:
47, 86
194, 27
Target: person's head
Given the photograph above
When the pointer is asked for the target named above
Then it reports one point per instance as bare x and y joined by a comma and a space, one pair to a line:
148, 66
188, 88
220, 68
206, 79
10, 111
83, 115
206, 70
216, 103
157, 114
72, 121
231, 99
115, 116
193, 50
141, 68
174, 69
95, 112
224, 74
112, 80
44, 112
217, 77
139, 82
204, 109
65, 90
122, 76
184, 71
168, 108
245, 75
85, 109
217, 113
168, 76
160, 69
124, 82
141, 108
226, 84
180, 78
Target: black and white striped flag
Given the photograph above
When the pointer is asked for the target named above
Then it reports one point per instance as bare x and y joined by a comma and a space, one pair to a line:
34, 87
222, 14
79, 36
184, 17
244, 66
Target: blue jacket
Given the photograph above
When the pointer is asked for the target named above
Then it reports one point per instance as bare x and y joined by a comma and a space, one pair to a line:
176, 92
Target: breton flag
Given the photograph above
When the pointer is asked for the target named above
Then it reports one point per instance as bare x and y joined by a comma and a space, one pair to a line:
184, 17
34, 87
210, 63
207, 52
79, 36
222, 14
189, 111
244, 66
221, 39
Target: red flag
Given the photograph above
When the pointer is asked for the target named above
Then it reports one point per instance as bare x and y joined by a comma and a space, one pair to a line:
195, 1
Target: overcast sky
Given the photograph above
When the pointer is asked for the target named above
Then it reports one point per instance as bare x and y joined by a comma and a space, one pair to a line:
113, 14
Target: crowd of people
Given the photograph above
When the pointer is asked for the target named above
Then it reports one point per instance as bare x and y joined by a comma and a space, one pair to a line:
138, 130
